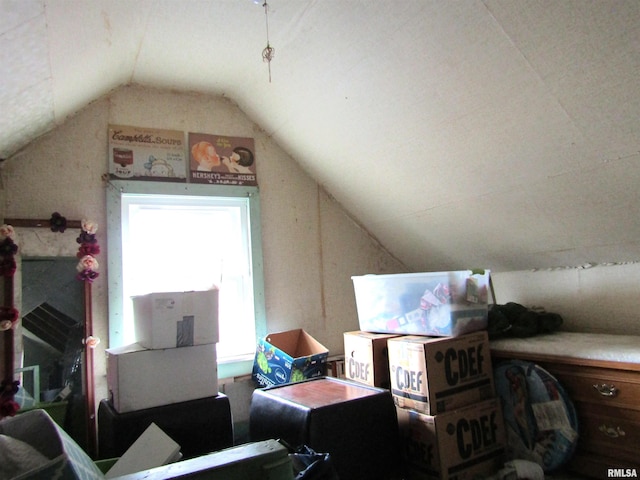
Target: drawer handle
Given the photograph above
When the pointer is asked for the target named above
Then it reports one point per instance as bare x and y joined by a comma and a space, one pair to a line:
606, 390
612, 432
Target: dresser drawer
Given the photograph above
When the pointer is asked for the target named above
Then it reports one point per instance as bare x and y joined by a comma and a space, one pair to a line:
609, 431
602, 386
601, 374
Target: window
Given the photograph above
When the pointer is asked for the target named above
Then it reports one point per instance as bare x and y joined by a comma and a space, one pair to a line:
176, 237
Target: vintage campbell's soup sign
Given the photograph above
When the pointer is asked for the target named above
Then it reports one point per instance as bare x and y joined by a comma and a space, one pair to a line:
139, 153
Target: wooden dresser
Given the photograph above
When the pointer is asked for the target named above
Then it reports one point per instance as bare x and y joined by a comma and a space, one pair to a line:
601, 374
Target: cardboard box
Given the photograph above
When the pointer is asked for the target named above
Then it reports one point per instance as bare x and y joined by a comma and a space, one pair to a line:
464, 444
437, 374
153, 448
335, 366
288, 357
366, 359
267, 460
56, 454
176, 319
434, 304
139, 378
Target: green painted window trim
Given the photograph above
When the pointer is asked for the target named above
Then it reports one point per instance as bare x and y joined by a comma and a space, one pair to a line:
226, 369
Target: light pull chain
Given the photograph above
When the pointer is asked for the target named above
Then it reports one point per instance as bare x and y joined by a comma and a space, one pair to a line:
269, 51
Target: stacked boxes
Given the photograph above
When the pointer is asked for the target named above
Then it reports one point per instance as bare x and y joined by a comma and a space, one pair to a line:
439, 366
447, 408
174, 359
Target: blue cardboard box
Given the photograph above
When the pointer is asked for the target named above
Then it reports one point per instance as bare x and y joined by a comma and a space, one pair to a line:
288, 357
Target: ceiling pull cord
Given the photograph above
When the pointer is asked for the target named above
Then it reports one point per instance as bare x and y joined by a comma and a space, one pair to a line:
269, 51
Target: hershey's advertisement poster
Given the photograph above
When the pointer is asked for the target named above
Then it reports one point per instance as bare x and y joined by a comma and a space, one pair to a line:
221, 160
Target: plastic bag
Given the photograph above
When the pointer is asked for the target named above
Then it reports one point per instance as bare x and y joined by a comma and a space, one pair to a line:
310, 465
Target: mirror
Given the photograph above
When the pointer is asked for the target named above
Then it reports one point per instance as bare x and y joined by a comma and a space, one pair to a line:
50, 351
52, 313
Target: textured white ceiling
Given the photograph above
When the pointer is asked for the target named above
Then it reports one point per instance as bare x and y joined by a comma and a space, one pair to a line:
496, 133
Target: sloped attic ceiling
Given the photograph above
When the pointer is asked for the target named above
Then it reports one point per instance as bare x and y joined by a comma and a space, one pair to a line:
495, 133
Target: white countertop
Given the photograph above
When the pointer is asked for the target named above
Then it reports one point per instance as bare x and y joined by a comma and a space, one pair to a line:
595, 346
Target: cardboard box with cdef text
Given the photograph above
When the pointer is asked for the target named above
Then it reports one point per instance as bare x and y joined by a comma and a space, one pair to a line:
366, 358
468, 442
437, 374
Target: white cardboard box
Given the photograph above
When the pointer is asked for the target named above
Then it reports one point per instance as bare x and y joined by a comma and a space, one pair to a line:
176, 319
139, 378
153, 448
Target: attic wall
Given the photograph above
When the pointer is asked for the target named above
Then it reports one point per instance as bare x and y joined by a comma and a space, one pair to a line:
599, 298
311, 248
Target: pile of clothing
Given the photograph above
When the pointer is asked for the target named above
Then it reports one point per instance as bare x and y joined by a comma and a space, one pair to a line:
515, 320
